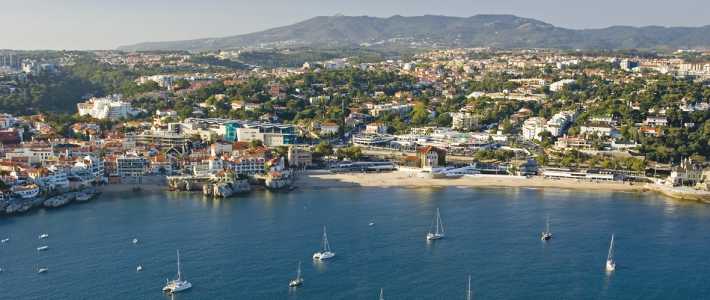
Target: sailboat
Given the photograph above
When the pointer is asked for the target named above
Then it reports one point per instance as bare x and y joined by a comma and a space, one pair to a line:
326, 253
299, 280
177, 284
546, 235
469, 295
382, 294
439, 231
610, 263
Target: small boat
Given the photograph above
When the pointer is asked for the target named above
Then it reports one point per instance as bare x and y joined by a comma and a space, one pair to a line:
139, 268
42, 270
5, 240
371, 224
469, 294
438, 231
299, 280
610, 263
382, 294
43, 236
135, 241
42, 248
177, 284
326, 253
546, 235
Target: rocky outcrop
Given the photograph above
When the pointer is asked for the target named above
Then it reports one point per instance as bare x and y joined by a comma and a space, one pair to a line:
226, 189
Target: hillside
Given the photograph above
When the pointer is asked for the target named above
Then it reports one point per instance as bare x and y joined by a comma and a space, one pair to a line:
501, 31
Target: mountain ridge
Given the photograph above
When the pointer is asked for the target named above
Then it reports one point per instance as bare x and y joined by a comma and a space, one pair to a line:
485, 30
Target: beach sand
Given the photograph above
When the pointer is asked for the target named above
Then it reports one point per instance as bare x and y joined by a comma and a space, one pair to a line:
323, 179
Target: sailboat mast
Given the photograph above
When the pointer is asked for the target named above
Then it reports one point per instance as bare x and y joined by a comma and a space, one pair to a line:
468, 292
178, 264
438, 220
326, 247
382, 294
611, 248
298, 274
547, 230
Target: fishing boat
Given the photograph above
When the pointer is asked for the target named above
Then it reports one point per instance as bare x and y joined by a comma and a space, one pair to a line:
610, 263
326, 253
43, 236
299, 280
177, 284
439, 229
547, 235
42, 248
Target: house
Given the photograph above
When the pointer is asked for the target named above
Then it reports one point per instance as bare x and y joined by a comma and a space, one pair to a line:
299, 157
376, 128
329, 128
532, 128
431, 157
656, 121
599, 129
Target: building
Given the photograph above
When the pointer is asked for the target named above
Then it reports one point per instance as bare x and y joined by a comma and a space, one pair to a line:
596, 129
532, 128
431, 157
376, 128
111, 107
656, 121
131, 165
557, 125
558, 85
329, 128
628, 64
464, 121
299, 157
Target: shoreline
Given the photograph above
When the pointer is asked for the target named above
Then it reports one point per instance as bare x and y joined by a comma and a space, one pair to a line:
404, 179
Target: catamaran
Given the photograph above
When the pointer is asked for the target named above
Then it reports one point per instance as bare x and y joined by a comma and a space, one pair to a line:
546, 235
177, 285
326, 253
299, 280
610, 263
439, 231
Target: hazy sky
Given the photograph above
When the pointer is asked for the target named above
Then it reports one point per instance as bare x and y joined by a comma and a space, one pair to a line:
107, 24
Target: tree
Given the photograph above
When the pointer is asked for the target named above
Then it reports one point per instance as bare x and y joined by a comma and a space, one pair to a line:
351, 153
256, 144
323, 149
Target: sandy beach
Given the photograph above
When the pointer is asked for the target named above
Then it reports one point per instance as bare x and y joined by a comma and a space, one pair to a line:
323, 179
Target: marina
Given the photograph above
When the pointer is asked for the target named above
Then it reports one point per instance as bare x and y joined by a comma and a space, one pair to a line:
493, 236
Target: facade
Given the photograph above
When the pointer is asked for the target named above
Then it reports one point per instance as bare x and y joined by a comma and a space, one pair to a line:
464, 121
557, 125
299, 157
131, 165
111, 107
557, 86
376, 128
532, 128
431, 157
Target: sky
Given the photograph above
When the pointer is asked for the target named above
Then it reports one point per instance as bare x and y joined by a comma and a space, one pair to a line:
107, 24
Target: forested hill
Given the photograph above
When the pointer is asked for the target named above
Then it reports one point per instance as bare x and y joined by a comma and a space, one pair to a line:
501, 31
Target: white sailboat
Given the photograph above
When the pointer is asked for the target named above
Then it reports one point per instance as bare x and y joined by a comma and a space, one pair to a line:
326, 253
139, 268
469, 295
42, 248
177, 284
382, 294
610, 263
438, 231
43, 236
546, 235
299, 280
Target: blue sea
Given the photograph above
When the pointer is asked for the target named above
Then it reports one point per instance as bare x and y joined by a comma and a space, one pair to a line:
248, 247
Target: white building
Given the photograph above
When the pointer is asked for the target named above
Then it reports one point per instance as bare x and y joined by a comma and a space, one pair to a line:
464, 121
557, 86
557, 125
90, 165
111, 107
532, 128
